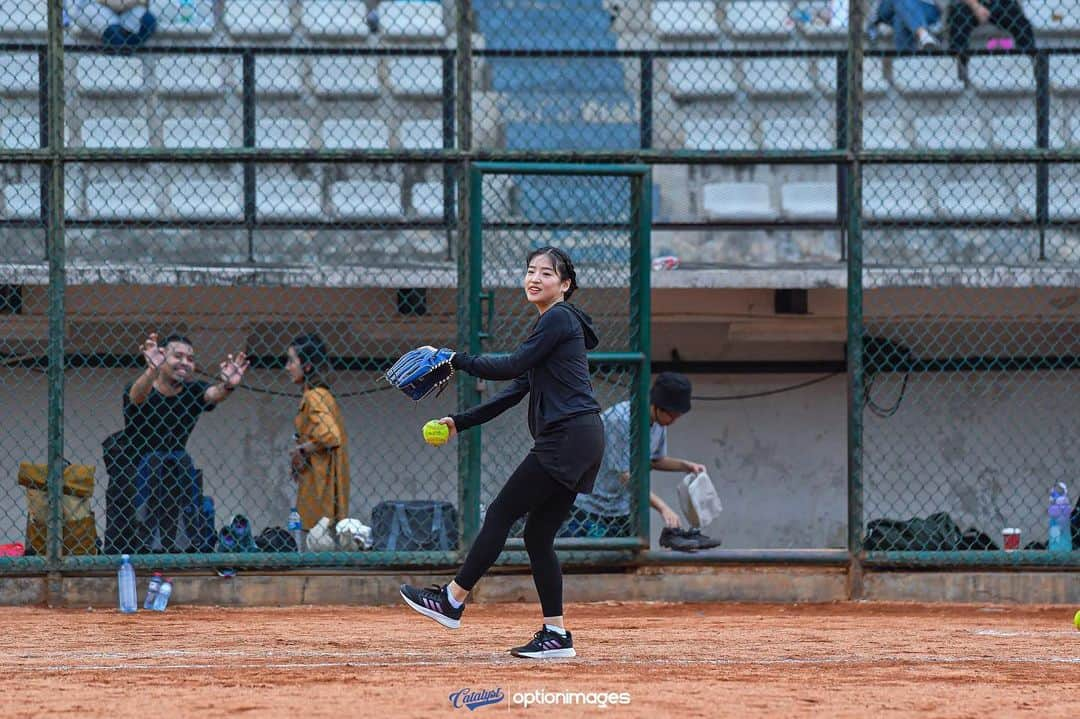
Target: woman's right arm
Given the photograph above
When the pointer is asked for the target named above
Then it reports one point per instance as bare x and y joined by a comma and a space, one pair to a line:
504, 400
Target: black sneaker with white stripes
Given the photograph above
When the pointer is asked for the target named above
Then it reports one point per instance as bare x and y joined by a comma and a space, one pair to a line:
547, 644
433, 602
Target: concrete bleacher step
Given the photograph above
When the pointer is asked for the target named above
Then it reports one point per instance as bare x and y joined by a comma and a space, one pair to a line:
949, 132
555, 38
420, 134
285, 197
798, 133
718, 134
737, 201
1056, 17
283, 133
109, 75
416, 76
808, 200
685, 19
260, 19
18, 74
701, 77
426, 200
19, 132
532, 74
926, 76
192, 74
1018, 132
134, 198
195, 20
356, 76
757, 19
571, 136
977, 200
206, 199
198, 132
411, 19
572, 199
874, 82
118, 132
885, 132
364, 199
354, 134
783, 76
334, 19
19, 17
1002, 75
885, 199
280, 74
1065, 73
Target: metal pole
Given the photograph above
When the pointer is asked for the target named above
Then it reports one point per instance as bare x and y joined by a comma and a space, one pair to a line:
641, 340
854, 300
54, 231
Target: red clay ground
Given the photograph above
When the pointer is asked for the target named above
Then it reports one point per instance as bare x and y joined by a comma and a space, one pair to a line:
674, 660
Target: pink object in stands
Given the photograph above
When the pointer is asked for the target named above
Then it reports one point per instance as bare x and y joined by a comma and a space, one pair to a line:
999, 43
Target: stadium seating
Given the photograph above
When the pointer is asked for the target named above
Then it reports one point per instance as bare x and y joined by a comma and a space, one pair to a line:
338, 102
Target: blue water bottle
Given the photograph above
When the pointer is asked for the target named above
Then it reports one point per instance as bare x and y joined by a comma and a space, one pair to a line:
125, 580
296, 529
152, 591
164, 592
1059, 513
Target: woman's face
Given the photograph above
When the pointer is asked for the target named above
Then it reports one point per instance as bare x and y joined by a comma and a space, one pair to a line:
542, 284
294, 367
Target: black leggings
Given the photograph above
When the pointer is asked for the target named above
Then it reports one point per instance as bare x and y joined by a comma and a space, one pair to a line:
530, 490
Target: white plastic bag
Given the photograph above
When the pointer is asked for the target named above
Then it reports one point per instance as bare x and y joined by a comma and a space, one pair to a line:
353, 535
319, 538
699, 500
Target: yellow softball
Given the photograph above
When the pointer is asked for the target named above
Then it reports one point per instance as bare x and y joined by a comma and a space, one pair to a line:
436, 433
1076, 619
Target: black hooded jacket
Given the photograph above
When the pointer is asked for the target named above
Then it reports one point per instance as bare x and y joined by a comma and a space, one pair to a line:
550, 366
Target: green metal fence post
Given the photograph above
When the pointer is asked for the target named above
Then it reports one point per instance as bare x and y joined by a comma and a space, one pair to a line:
854, 302
641, 339
469, 292
54, 230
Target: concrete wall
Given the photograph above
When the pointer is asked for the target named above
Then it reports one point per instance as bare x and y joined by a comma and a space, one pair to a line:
987, 455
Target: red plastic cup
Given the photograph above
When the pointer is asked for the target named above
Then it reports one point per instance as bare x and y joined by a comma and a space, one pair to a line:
1010, 539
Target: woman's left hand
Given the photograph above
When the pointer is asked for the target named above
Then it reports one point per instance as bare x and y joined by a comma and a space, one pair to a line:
298, 457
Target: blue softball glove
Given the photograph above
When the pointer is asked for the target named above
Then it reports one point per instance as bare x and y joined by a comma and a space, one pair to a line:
421, 371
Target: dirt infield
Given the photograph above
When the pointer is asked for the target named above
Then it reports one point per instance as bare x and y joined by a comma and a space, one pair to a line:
667, 660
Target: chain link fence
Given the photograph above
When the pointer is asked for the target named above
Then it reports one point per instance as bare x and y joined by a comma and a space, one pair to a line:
246, 172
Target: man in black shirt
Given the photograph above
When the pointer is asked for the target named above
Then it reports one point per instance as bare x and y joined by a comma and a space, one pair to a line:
150, 473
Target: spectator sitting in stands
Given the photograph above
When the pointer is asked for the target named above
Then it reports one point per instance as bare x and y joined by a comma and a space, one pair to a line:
122, 25
966, 15
910, 20
606, 512
150, 474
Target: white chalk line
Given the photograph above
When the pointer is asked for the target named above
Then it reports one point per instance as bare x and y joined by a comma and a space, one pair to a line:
489, 660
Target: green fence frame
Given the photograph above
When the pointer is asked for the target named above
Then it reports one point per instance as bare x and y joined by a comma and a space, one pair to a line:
638, 358
849, 157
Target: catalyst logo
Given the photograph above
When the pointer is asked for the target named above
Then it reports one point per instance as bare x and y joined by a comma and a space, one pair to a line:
474, 699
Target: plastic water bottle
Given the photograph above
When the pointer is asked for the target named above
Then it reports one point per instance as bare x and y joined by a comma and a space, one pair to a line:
1059, 513
187, 10
162, 599
152, 591
125, 579
296, 529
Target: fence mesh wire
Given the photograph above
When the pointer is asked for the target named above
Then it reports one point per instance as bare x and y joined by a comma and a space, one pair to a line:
968, 264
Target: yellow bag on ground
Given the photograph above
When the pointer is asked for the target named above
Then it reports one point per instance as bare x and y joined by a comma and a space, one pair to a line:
80, 529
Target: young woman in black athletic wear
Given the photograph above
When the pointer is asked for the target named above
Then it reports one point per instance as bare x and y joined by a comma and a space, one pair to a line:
568, 445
